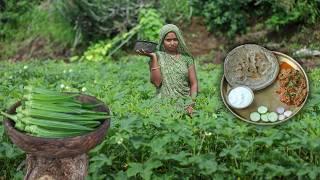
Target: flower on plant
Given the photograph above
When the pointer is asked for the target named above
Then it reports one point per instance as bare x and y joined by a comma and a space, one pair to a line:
64, 71
70, 70
125, 165
119, 141
25, 67
61, 86
67, 87
207, 133
83, 89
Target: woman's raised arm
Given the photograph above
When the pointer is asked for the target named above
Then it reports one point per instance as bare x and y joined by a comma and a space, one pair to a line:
155, 73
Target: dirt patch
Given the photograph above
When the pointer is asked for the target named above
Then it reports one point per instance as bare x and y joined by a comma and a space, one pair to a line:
41, 48
309, 63
202, 42
197, 37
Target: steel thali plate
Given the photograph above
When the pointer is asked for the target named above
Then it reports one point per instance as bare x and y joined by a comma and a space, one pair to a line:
268, 96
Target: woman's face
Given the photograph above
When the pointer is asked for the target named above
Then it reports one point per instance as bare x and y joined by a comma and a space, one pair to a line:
171, 42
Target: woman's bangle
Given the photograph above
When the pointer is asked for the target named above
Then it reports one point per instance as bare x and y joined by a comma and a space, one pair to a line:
152, 69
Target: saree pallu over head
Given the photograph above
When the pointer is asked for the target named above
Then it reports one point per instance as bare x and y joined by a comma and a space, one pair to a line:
174, 71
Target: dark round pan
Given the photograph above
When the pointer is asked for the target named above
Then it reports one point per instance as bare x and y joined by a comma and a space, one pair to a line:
147, 46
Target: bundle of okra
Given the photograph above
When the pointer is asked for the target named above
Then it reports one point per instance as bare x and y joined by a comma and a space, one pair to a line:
51, 114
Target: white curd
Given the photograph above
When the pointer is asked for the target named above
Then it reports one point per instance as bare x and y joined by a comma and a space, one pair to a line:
240, 97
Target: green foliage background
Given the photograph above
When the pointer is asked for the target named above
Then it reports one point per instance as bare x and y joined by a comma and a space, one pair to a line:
22, 22
150, 22
148, 139
233, 16
175, 11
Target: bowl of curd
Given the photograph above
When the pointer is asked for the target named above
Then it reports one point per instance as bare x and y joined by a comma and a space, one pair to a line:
240, 97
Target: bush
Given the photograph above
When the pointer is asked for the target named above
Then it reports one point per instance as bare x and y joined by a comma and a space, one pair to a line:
232, 16
291, 11
10, 14
150, 23
175, 11
225, 15
98, 19
103, 50
29, 25
148, 28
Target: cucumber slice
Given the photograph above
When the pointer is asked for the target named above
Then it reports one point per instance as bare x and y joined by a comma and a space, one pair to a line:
264, 117
254, 116
272, 117
281, 117
262, 109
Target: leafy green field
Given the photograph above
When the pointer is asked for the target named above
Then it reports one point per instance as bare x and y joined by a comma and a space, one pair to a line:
148, 139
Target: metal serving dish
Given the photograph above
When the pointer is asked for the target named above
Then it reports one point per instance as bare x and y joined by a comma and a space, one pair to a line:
267, 96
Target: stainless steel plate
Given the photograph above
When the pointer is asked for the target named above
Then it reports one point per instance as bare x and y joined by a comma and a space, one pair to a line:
267, 96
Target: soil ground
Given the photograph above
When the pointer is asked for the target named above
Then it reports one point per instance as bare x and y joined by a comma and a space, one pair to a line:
202, 42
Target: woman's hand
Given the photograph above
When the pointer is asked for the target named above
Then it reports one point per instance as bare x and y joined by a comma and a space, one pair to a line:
144, 53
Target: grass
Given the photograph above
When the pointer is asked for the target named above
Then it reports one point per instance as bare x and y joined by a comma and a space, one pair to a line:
39, 23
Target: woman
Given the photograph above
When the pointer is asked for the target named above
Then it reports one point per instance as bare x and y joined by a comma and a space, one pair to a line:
172, 68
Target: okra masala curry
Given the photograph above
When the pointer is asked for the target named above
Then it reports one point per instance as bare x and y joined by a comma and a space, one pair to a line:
293, 86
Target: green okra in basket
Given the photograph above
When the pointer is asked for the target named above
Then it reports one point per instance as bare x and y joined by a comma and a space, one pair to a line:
51, 114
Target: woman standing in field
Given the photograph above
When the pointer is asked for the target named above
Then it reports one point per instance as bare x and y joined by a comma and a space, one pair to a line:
172, 68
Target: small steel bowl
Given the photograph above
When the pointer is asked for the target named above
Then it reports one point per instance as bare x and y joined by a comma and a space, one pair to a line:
247, 105
147, 46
